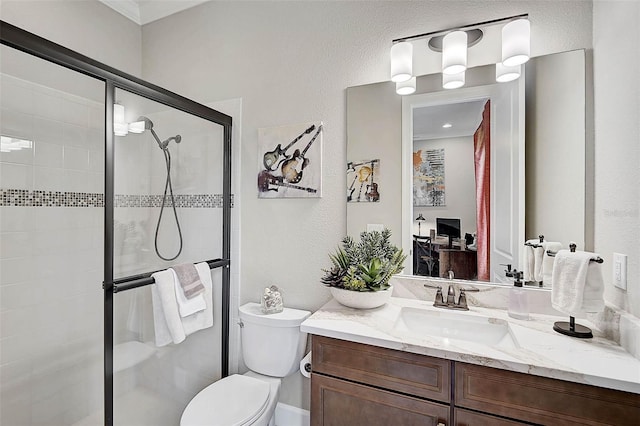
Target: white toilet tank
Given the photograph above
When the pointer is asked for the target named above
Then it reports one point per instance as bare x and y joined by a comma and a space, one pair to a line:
272, 344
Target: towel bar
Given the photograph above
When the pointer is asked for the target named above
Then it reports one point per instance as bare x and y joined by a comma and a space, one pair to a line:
141, 280
597, 259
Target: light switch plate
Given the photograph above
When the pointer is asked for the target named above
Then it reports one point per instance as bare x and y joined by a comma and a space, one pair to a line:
620, 270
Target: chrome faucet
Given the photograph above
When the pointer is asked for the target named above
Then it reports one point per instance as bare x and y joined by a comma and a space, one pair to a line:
451, 303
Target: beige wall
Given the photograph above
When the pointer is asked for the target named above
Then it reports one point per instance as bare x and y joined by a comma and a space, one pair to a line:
616, 57
88, 27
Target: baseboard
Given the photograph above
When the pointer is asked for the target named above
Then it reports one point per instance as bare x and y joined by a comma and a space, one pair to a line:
288, 415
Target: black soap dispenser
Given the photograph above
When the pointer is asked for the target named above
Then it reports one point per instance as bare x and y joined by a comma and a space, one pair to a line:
518, 302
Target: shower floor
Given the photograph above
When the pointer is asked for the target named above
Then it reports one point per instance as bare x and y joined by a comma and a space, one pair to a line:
139, 407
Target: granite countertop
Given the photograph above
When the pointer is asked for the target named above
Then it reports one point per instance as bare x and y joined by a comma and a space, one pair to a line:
531, 346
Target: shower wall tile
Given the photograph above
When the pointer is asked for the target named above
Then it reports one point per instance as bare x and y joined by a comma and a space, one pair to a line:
48, 154
21, 156
18, 176
47, 130
76, 180
16, 94
96, 160
16, 219
16, 270
76, 158
16, 124
17, 296
15, 244
75, 135
48, 178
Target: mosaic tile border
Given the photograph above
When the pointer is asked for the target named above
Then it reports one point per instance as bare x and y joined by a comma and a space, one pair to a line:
35, 198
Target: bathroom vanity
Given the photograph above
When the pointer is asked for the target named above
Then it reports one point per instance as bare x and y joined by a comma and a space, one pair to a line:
411, 364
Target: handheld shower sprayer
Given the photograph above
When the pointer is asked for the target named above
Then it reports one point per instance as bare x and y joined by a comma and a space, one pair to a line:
148, 125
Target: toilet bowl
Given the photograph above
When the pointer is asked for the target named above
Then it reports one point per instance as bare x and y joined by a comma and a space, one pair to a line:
272, 346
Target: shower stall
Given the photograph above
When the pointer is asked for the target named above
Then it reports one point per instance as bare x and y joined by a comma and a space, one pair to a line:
104, 179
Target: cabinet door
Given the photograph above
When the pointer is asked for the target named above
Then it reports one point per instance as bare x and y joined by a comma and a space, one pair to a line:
470, 418
336, 402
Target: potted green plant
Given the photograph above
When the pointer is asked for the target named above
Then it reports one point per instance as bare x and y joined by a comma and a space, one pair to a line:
360, 272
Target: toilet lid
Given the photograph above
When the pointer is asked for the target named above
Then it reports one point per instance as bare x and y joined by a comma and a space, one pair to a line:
233, 401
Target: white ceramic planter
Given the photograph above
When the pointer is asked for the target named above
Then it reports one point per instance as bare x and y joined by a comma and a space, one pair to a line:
361, 299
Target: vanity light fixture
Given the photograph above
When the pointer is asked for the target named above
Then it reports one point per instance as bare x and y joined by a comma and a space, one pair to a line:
406, 87
454, 53
120, 126
447, 125
401, 62
505, 73
453, 81
454, 44
516, 42
9, 143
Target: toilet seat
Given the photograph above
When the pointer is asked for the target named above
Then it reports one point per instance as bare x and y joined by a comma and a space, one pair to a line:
235, 400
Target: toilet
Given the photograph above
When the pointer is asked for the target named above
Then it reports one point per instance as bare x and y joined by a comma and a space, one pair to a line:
272, 347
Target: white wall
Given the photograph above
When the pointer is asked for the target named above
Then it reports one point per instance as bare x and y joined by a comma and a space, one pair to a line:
616, 58
459, 181
88, 27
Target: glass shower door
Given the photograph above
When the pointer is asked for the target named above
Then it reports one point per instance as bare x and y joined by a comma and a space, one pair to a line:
168, 184
51, 243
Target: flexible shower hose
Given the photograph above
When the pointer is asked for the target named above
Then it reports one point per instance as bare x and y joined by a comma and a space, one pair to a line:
167, 185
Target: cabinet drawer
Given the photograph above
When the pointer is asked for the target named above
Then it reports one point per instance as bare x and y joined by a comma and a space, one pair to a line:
412, 374
542, 400
336, 402
469, 418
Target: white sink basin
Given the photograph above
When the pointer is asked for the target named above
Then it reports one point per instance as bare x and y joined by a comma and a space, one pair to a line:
453, 325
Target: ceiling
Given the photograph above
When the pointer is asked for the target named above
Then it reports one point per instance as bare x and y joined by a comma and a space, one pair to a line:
144, 11
464, 119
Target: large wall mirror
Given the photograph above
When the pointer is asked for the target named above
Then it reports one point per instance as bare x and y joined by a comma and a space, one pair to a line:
428, 189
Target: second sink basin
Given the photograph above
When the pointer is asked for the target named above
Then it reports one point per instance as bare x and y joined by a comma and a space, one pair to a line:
460, 326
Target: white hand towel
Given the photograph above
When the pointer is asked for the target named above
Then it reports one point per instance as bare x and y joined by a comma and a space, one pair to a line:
577, 283
529, 266
187, 306
547, 261
166, 317
169, 326
203, 319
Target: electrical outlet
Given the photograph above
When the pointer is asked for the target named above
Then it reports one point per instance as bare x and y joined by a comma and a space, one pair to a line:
620, 270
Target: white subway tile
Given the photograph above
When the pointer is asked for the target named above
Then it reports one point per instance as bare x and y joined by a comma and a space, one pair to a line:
16, 95
50, 241
96, 161
20, 156
48, 218
15, 244
76, 180
14, 219
15, 270
15, 348
46, 130
75, 113
16, 297
16, 176
48, 154
76, 158
48, 179
75, 136
16, 124
15, 322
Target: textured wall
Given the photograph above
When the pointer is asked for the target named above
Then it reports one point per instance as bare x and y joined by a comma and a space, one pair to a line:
616, 65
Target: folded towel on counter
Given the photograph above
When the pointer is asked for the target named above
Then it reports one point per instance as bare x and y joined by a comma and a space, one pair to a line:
547, 261
187, 306
532, 266
169, 326
577, 283
189, 280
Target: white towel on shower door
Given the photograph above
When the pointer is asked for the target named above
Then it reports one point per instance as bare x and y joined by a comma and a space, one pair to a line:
169, 326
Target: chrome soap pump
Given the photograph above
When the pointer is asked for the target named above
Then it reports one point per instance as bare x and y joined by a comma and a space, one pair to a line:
518, 303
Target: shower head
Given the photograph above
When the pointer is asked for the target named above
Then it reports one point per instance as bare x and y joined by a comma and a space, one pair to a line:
148, 124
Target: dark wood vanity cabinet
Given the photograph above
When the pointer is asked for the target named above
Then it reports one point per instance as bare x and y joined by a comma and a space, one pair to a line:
360, 385
356, 385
